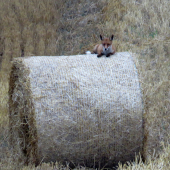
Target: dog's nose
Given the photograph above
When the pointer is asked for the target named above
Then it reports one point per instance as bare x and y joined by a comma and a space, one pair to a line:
105, 49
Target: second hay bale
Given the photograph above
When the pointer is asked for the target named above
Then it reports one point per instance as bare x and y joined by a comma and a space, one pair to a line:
79, 109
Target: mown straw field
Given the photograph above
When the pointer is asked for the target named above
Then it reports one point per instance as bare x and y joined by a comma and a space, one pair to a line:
56, 27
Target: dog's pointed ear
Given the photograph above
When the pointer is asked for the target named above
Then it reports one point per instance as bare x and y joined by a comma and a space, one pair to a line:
111, 38
101, 37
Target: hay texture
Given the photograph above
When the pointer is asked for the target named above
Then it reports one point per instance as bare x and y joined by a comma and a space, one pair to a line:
79, 109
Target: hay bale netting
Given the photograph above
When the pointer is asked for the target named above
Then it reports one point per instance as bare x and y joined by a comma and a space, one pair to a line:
79, 109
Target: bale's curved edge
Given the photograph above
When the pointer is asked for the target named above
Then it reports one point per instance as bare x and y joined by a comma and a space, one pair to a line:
78, 109
23, 134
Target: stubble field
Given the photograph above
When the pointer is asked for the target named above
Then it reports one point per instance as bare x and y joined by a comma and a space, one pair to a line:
36, 28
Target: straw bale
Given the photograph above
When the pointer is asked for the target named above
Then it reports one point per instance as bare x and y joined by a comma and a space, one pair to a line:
79, 109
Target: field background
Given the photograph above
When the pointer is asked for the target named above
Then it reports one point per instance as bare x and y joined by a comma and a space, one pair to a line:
67, 27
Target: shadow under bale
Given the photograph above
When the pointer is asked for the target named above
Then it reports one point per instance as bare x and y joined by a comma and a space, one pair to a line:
79, 109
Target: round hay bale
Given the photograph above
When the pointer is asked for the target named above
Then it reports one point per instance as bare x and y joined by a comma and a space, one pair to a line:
79, 109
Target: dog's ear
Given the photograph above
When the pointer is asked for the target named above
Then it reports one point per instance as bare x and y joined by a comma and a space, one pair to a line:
111, 38
101, 37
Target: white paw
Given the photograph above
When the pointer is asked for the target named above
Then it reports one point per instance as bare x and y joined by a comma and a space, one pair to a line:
88, 52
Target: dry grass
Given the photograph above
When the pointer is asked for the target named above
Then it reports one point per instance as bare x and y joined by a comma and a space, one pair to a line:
157, 164
143, 27
49, 28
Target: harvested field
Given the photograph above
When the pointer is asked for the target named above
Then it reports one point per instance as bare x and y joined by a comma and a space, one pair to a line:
56, 28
